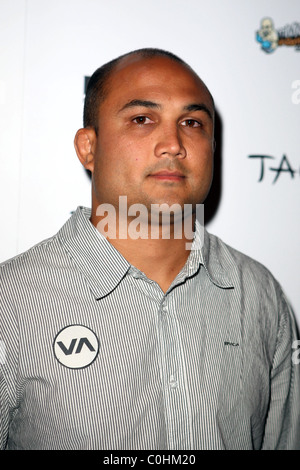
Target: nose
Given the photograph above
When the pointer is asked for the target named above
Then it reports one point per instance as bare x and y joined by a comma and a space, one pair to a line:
169, 143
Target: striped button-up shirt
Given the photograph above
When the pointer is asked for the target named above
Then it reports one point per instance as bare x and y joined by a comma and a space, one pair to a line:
94, 355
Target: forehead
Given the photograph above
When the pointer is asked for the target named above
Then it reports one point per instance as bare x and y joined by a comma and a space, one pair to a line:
158, 76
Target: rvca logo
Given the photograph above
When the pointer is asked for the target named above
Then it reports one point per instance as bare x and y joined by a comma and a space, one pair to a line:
76, 346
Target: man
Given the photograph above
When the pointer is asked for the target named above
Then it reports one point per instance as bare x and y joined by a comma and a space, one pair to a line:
116, 339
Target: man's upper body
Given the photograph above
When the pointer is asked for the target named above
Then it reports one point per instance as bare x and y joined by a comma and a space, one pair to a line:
129, 342
99, 357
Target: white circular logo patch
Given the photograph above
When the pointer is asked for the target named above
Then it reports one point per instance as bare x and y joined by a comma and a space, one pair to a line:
76, 346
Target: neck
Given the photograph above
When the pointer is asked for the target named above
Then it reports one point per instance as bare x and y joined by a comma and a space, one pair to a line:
159, 251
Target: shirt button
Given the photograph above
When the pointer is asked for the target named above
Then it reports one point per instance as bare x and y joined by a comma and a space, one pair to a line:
173, 383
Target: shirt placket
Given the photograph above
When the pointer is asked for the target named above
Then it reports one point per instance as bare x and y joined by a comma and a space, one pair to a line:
176, 393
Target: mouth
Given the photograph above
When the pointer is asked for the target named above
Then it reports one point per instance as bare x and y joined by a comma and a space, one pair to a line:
168, 175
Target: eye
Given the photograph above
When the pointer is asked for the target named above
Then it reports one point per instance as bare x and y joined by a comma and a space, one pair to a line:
191, 123
142, 120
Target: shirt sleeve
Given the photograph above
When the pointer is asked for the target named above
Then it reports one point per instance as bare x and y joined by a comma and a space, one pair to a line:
8, 362
3, 411
282, 430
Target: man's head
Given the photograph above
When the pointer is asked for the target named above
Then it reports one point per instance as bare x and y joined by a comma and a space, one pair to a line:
98, 84
148, 131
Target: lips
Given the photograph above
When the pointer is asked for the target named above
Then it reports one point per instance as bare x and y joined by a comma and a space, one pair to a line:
168, 175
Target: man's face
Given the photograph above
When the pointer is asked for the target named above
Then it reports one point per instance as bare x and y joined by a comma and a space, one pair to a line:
155, 136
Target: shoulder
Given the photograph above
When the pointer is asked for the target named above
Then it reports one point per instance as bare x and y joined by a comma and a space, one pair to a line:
259, 295
28, 255
31, 264
251, 280
239, 265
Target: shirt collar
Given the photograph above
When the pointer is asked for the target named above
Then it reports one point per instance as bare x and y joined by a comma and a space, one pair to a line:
205, 252
216, 260
104, 267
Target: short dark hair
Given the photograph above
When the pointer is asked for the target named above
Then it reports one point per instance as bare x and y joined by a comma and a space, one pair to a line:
98, 83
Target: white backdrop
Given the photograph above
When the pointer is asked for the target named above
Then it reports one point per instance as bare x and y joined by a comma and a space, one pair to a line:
48, 47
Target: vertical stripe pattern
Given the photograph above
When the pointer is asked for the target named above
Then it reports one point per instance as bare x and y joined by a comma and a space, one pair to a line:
206, 365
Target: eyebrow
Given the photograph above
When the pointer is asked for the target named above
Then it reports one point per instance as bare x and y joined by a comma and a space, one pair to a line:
151, 104
198, 107
143, 103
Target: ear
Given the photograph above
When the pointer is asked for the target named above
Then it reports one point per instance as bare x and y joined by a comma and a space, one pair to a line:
85, 142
